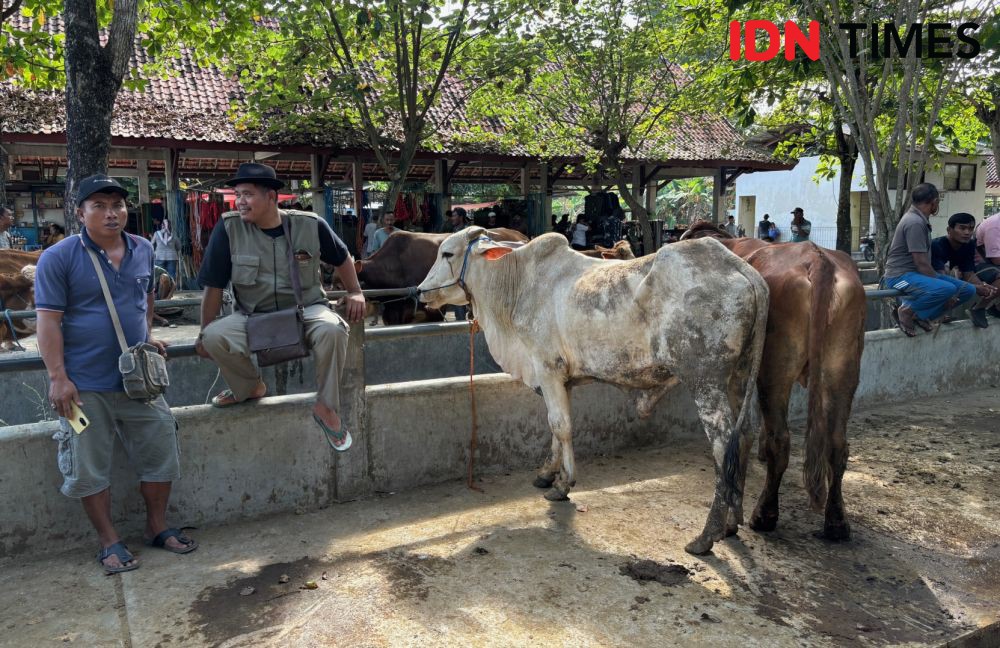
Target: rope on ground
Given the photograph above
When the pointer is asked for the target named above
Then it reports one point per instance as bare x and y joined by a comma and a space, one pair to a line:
208, 396
474, 440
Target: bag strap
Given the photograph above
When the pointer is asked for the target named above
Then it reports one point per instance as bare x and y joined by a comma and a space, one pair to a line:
107, 298
293, 269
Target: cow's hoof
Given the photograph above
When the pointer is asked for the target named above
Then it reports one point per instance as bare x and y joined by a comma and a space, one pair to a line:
763, 523
732, 529
543, 482
556, 495
836, 532
699, 546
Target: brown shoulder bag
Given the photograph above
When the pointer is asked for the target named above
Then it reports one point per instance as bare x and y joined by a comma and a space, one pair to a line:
279, 336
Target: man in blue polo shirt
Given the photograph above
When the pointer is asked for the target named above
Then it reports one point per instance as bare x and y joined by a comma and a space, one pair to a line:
78, 344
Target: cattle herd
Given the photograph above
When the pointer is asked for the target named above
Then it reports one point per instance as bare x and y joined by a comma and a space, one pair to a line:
737, 321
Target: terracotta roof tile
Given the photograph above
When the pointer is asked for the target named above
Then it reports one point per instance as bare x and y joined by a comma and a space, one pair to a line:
192, 104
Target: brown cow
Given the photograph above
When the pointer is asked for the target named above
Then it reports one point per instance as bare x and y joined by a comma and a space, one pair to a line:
815, 335
17, 283
11, 261
403, 261
620, 250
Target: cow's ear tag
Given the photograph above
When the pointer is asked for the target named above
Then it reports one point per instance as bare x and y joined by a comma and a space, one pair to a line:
494, 253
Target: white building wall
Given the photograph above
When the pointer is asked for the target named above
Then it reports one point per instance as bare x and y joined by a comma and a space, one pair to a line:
952, 202
779, 192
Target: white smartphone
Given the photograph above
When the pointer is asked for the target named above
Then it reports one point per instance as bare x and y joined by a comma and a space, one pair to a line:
77, 419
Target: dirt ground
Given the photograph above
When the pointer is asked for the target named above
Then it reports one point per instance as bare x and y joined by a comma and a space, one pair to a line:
444, 565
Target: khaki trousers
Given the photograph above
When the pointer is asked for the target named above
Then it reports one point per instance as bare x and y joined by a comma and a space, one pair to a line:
225, 340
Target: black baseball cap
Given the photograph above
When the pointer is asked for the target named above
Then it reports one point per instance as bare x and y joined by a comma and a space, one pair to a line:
99, 183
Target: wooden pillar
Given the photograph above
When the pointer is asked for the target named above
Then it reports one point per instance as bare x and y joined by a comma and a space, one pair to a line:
170, 168
171, 200
358, 185
442, 189
638, 172
317, 181
546, 195
651, 198
143, 167
717, 193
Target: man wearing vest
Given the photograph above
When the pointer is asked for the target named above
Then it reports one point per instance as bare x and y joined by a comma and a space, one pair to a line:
249, 248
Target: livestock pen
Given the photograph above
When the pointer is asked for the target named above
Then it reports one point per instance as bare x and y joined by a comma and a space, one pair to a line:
412, 557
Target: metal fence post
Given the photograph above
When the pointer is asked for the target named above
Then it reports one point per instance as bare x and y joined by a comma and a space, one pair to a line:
351, 476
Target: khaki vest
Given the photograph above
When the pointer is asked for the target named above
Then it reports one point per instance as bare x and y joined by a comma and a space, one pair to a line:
260, 275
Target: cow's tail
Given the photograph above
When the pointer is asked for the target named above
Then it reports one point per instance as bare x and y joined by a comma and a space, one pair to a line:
733, 460
816, 468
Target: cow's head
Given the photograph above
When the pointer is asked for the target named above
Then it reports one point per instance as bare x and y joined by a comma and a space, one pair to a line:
456, 258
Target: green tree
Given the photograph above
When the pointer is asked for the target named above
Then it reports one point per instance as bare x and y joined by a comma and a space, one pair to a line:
374, 72
605, 79
92, 74
983, 85
890, 142
26, 56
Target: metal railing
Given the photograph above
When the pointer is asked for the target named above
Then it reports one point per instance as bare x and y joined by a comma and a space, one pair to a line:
408, 331
196, 301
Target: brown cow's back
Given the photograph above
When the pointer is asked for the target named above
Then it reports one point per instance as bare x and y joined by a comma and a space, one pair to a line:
11, 261
403, 261
406, 257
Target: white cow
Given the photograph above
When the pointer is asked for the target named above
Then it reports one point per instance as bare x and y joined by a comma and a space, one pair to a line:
693, 313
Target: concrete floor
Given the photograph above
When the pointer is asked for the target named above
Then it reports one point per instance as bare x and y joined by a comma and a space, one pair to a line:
450, 566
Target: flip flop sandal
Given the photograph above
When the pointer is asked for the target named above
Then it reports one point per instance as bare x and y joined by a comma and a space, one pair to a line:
222, 399
124, 555
160, 541
924, 324
338, 435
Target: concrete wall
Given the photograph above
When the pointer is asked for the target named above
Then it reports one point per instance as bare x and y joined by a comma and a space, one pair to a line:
269, 457
23, 394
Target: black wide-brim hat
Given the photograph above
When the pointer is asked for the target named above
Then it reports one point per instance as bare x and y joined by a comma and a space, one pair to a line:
257, 174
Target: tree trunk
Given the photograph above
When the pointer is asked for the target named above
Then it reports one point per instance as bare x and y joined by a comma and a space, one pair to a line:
93, 78
638, 209
845, 230
847, 153
988, 112
3, 177
397, 173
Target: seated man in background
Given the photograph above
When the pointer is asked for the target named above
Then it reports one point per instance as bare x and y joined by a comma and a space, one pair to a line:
927, 293
957, 251
988, 254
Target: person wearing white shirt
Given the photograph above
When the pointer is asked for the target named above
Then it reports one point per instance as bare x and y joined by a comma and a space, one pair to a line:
6, 222
578, 233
